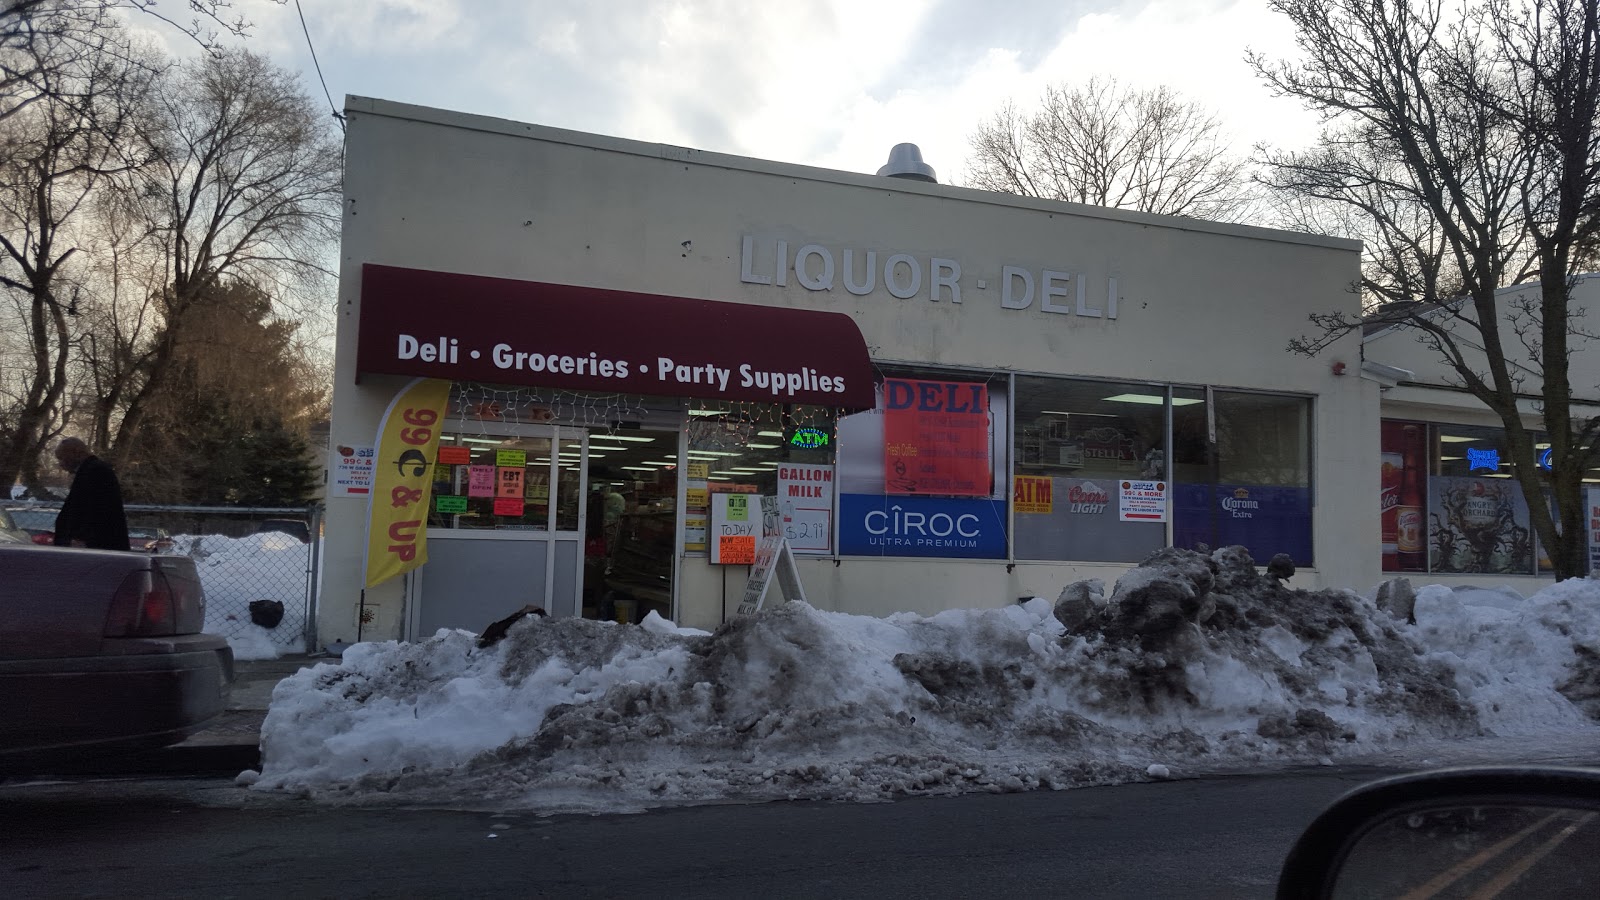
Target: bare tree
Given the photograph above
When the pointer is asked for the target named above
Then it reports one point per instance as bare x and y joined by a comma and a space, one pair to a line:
1107, 145
244, 185
38, 38
120, 316
1464, 137
57, 156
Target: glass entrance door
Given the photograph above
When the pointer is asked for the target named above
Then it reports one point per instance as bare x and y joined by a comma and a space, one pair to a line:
504, 531
632, 524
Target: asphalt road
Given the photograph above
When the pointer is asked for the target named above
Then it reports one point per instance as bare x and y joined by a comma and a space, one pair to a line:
1209, 837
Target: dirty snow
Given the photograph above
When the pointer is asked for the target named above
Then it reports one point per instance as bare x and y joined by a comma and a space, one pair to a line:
1191, 664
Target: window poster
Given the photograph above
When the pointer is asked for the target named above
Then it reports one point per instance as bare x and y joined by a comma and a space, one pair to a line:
1032, 494
1142, 501
510, 484
1264, 519
805, 495
1478, 525
694, 532
696, 505
936, 438
480, 481
1402, 488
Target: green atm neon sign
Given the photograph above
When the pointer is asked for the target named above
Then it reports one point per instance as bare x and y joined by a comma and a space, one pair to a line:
809, 438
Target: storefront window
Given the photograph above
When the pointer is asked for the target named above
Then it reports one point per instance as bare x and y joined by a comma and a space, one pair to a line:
1075, 441
923, 473
492, 483
772, 450
1242, 469
1477, 517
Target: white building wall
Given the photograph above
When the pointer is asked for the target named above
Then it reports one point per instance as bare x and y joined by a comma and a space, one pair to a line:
1198, 303
1402, 348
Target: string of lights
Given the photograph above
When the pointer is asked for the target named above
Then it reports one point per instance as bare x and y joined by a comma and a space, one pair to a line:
730, 425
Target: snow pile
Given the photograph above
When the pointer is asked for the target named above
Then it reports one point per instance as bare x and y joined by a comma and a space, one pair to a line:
247, 639
1507, 653
1192, 662
236, 571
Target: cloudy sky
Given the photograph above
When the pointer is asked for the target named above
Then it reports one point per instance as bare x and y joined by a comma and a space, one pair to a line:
831, 83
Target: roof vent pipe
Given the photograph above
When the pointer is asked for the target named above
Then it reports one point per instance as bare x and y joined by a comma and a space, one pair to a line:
905, 161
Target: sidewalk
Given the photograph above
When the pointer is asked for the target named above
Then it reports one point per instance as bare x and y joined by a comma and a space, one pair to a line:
232, 743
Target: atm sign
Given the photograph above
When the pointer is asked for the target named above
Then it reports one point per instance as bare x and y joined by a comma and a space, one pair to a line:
1032, 494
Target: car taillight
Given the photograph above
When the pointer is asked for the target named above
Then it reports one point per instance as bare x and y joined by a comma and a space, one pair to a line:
188, 598
143, 606
47, 540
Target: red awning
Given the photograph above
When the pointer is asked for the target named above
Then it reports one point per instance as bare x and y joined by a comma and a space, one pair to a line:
496, 330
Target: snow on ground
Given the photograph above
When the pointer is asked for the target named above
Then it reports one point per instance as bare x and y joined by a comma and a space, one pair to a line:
1191, 664
237, 571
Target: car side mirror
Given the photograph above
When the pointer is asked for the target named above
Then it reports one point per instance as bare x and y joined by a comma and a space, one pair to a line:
1501, 832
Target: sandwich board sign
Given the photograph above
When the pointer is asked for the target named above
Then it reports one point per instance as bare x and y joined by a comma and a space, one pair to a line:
772, 556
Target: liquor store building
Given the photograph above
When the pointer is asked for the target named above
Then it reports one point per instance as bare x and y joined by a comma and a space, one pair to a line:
1451, 511
959, 398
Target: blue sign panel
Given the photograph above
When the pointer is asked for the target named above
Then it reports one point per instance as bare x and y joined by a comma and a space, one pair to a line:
1266, 520
950, 528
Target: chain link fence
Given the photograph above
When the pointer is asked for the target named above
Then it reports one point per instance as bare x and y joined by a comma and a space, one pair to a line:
259, 568
258, 565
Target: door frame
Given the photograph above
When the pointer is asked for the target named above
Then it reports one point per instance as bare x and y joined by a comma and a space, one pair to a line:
550, 536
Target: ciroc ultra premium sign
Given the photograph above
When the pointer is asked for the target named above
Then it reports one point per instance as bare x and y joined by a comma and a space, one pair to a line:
940, 527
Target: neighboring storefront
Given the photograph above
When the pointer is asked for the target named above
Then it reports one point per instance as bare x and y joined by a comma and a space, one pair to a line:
959, 398
1449, 507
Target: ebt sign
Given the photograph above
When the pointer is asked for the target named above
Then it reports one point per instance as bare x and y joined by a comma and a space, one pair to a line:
820, 267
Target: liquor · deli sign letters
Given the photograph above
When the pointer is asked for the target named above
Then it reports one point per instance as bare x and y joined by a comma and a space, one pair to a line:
820, 267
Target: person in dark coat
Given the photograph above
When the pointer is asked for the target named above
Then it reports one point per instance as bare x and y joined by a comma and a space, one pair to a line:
92, 515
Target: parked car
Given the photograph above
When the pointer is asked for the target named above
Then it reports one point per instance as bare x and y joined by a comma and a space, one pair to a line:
10, 533
40, 523
154, 540
102, 649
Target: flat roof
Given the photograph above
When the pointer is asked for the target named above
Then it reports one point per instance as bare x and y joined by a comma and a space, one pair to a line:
493, 125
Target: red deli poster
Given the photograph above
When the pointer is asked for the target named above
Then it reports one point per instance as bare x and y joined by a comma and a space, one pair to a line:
936, 437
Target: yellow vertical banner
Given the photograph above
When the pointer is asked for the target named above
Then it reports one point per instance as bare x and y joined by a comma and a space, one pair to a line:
402, 484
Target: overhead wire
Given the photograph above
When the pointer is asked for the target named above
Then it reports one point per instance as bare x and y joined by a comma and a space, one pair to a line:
325, 92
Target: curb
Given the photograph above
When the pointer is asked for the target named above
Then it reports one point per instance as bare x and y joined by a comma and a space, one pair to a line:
229, 744
192, 761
